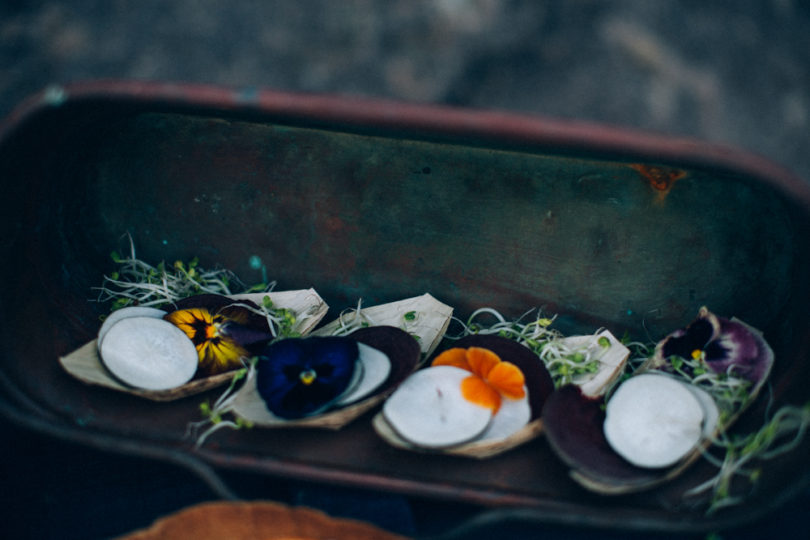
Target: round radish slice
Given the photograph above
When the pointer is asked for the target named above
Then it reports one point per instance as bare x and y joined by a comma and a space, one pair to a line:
125, 313
653, 420
513, 415
428, 409
149, 353
711, 414
375, 367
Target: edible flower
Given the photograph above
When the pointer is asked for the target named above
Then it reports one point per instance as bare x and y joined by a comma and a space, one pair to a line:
217, 351
302, 377
722, 345
491, 377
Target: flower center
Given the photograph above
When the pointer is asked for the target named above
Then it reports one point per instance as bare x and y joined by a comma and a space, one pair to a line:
697, 354
308, 376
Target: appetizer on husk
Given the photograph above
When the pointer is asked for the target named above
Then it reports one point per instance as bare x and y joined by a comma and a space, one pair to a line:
324, 381
479, 398
656, 423
144, 350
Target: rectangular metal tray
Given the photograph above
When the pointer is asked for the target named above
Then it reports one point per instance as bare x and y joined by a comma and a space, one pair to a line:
381, 201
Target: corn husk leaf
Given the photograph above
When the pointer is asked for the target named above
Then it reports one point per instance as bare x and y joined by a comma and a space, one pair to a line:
424, 317
612, 361
482, 449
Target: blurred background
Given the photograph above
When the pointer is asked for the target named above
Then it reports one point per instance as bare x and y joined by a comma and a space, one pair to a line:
736, 73
731, 72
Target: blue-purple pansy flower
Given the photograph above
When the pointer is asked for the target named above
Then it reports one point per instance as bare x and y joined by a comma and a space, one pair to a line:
722, 345
302, 377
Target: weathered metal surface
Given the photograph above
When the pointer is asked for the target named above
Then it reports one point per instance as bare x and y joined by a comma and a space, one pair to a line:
383, 201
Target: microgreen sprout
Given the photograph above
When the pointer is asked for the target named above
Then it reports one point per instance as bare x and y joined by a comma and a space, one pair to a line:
640, 352
213, 413
280, 321
781, 434
352, 319
139, 283
729, 391
568, 363
565, 363
136, 282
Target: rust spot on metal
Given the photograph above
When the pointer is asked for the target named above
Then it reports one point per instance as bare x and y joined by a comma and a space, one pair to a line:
659, 177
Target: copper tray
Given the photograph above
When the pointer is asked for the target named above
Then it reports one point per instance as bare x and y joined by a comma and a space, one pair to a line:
382, 201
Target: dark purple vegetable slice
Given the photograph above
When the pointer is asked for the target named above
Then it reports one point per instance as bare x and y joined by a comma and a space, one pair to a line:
573, 423
400, 347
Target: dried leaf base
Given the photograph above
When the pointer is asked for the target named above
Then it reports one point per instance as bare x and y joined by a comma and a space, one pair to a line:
482, 449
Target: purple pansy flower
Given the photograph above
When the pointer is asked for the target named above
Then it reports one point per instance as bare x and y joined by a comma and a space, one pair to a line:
722, 344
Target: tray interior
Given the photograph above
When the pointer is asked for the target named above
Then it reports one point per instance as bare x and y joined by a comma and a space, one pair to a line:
625, 242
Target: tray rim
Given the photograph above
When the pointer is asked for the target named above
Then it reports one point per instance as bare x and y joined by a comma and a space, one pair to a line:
349, 112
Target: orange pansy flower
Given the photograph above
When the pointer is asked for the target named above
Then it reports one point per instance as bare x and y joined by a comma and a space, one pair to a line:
491, 377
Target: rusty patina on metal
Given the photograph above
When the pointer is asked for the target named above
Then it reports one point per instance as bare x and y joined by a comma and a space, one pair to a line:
380, 201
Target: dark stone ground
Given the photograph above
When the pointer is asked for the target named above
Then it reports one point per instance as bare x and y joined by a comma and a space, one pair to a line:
736, 73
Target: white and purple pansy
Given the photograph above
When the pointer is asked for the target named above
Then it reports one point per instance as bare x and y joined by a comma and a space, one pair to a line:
722, 345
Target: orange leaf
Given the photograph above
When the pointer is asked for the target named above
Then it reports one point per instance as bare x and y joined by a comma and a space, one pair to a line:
456, 357
476, 390
508, 379
482, 361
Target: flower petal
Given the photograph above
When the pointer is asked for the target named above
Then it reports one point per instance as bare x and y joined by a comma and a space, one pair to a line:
476, 390
693, 338
688, 342
456, 357
482, 361
197, 323
218, 355
507, 378
747, 354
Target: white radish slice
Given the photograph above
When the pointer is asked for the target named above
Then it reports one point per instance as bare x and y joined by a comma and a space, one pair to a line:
149, 353
124, 313
374, 367
653, 420
513, 416
711, 414
429, 410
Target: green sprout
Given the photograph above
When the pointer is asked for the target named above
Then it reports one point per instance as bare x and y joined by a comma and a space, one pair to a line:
728, 390
136, 282
781, 434
139, 283
565, 363
213, 414
280, 321
352, 319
